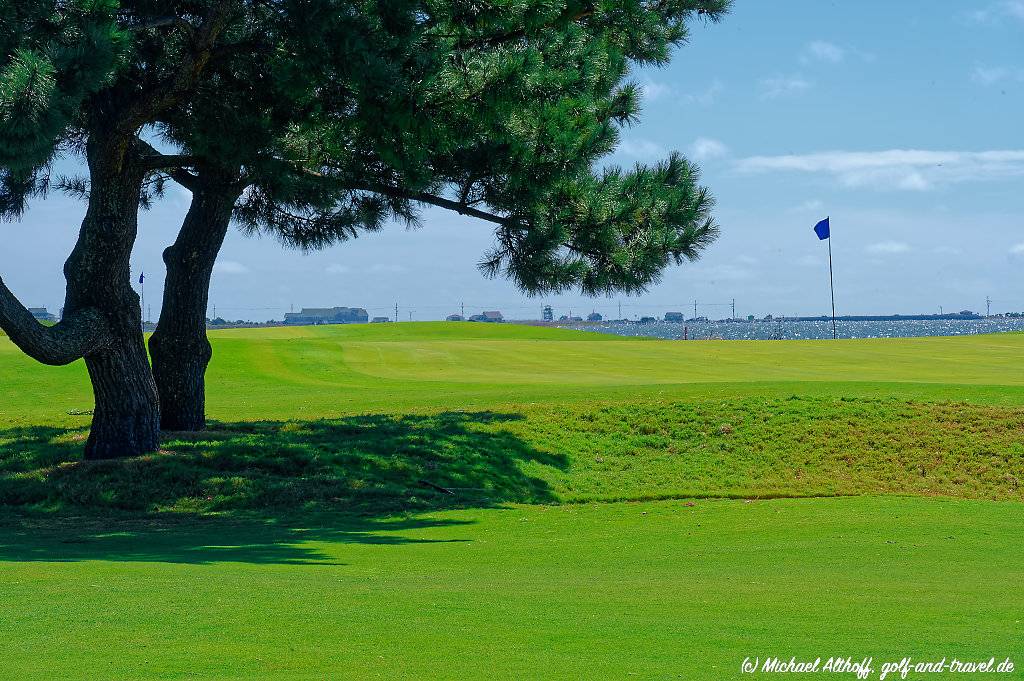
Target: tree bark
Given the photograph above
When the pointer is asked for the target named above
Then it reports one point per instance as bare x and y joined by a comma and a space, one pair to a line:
180, 349
126, 416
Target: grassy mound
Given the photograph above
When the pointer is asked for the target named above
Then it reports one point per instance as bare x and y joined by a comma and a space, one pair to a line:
751, 448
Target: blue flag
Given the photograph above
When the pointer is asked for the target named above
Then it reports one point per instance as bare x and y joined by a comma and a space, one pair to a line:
821, 229
142, 278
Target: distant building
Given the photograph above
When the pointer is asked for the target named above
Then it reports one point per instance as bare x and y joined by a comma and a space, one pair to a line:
674, 317
380, 320
488, 316
42, 314
594, 317
454, 318
327, 315
548, 313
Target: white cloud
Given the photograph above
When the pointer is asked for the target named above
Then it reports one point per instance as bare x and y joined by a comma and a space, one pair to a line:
907, 169
779, 86
653, 90
705, 148
230, 267
1013, 9
913, 181
888, 247
1017, 249
708, 96
991, 75
820, 50
641, 148
335, 268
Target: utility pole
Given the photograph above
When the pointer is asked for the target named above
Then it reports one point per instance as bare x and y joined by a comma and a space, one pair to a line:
695, 309
142, 302
462, 307
988, 306
396, 312
734, 308
620, 309
410, 315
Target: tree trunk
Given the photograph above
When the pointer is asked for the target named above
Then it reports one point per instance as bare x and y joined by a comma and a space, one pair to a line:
126, 417
179, 347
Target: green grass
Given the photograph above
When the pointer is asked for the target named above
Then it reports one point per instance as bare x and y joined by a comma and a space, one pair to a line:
314, 372
610, 591
419, 501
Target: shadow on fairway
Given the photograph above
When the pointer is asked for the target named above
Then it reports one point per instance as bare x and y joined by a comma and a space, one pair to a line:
274, 487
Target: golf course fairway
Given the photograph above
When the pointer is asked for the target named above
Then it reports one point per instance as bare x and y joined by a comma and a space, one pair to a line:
458, 501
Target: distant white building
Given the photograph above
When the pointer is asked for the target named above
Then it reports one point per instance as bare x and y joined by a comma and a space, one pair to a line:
42, 314
488, 316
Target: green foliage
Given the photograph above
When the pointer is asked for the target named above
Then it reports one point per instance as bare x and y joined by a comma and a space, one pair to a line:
616, 232
53, 57
501, 112
335, 118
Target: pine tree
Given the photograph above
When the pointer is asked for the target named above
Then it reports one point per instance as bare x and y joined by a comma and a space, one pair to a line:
315, 120
85, 75
501, 118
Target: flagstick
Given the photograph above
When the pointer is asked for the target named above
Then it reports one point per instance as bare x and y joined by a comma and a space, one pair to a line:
832, 287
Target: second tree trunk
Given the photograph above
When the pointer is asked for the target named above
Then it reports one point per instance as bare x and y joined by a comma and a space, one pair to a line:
179, 348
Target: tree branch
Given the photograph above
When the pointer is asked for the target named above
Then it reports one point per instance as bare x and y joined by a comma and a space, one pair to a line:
460, 208
170, 164
157, 98
158, 161
439, 201
133, 23
72, 338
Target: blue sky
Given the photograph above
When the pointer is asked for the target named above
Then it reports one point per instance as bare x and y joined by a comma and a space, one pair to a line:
900, 120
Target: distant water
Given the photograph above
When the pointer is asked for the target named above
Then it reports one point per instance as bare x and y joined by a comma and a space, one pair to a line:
794, 330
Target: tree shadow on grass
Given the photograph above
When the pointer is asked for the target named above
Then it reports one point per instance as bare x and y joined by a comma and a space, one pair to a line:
259, 492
